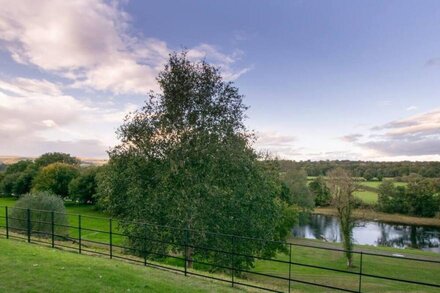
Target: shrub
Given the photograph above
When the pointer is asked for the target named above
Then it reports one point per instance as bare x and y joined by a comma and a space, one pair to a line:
41, 206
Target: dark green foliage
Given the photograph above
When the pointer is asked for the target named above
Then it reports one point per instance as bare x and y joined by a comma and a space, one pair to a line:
423, 199
296, 182
7, 185
41, 204
420, 198
367, 169
55, 178
20, 166
50, 158
186, 161
18, 178
83, 187
23, 184
319, 189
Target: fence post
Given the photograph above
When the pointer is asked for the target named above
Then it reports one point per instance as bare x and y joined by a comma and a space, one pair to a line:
7, 223
79, 233
144, 246
53, 228
290, 263
232, 260
29, 225
186, 250
111, 238
360, 274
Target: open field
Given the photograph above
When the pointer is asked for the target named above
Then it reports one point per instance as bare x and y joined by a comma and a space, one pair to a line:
31, 268
367, 214
390, 267
368, 197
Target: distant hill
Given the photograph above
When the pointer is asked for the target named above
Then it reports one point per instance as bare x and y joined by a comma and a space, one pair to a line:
7, 160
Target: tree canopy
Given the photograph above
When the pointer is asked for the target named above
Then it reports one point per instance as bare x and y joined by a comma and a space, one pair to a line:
55, 178
186, 161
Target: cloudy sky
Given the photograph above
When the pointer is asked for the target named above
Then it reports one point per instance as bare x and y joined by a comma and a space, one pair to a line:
324, 79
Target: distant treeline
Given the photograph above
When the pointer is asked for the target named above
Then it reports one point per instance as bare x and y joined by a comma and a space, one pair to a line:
367, 169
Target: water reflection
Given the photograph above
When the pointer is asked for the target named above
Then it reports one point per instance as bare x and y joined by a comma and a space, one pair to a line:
371, 233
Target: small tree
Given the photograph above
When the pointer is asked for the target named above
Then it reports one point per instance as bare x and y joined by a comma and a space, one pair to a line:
300, 195
41, 204
322, 193
342, 185
55, 178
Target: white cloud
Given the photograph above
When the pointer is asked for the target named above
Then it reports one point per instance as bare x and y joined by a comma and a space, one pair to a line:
416, 137
89, 42
33, 122
411, 108
216, 57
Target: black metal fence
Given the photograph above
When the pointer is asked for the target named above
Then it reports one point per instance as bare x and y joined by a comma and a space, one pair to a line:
325, 266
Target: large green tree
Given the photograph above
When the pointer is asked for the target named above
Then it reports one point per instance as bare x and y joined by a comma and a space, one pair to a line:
186, 161
50, 158
55, 178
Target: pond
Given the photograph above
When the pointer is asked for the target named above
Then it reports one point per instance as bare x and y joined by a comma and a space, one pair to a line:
371, 233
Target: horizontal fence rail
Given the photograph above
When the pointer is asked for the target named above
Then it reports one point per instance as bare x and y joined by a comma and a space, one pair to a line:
86, 234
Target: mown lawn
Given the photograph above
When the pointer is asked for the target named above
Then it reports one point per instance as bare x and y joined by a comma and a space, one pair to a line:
391, 267
31, 268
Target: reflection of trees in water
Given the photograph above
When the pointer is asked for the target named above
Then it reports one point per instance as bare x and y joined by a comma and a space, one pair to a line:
320, 226
407, 236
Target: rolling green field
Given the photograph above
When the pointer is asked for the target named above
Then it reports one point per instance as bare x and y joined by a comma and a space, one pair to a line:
31, 268
391, 267
369, 197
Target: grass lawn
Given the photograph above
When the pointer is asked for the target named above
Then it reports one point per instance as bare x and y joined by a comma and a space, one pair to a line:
391, 267
31, 268
369, 197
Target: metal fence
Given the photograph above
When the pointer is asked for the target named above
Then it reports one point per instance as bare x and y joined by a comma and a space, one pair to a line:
97, 235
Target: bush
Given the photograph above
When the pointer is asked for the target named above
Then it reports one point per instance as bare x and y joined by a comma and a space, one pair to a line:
41, 206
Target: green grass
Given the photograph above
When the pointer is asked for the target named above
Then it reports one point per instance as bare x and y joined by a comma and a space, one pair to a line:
397, 268
375, 184
31, 268
368, 197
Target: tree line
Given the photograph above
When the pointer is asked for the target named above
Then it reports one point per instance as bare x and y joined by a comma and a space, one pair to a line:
367, 169
421, 197
56, 173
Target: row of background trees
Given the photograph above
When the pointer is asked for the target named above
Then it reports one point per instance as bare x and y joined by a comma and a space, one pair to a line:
63, 175
56, 173
369, 170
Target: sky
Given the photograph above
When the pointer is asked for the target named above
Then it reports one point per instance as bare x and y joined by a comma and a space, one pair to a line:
324, 80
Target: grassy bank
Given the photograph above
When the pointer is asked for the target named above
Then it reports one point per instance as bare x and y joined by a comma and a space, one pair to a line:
366, 214
31, 268
301, 256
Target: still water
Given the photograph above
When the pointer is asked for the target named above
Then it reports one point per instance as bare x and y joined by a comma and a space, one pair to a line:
371, 233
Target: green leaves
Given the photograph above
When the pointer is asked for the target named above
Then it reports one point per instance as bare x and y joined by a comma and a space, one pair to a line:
185, 161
